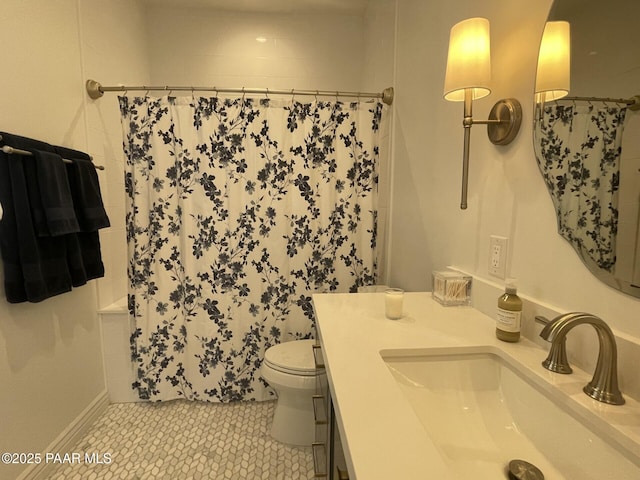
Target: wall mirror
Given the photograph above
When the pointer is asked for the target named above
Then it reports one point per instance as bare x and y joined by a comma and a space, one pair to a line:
587, 143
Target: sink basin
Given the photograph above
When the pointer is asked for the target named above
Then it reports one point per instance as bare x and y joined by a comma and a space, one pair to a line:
481, 412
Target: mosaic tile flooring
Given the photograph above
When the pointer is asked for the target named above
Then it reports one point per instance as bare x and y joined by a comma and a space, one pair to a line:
183, 440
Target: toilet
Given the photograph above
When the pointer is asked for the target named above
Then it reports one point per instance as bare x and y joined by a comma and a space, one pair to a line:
289, 369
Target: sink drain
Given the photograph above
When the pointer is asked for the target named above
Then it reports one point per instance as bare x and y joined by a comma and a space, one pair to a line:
521, 470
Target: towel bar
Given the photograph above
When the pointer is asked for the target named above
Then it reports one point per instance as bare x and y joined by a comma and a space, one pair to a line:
8, 149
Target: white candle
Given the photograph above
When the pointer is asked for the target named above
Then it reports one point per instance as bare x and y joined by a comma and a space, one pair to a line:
393, 303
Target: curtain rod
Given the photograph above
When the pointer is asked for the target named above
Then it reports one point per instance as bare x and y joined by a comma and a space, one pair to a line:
633, 102
96, 90
10, 150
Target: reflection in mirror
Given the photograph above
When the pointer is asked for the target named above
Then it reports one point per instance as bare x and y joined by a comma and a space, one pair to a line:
554, 62
587, 143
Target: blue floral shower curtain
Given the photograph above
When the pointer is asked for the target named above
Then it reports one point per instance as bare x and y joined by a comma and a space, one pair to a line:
578, 149
238, 210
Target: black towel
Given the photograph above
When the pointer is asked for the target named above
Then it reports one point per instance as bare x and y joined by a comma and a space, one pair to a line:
90, 212
35, 267
38, 214
85, 189
89, 243
53, 185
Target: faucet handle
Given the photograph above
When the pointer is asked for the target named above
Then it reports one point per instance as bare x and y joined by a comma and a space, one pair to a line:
541, 320
557, 360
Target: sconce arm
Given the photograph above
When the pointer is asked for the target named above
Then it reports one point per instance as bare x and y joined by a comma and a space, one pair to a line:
503, 125
489, 122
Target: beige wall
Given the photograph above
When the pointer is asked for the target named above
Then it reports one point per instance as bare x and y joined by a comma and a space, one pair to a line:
202, 46
50, 352
507, 195
50, 363
114, 52
377, 74
50, 360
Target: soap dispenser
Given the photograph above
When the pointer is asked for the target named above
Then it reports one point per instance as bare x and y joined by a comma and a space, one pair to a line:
509, 314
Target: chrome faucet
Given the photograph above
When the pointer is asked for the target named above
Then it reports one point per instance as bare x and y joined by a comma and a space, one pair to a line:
604, 384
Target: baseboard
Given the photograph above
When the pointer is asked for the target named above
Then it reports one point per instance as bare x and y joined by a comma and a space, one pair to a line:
68, 438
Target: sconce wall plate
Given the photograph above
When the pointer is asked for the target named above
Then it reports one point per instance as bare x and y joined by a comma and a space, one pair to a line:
508, 113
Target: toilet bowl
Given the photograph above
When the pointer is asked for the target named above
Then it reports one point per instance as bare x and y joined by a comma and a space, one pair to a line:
289, 369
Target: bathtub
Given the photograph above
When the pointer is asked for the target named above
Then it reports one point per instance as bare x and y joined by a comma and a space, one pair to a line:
116, 331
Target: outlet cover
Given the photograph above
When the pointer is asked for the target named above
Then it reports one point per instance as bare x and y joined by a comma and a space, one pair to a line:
498, 256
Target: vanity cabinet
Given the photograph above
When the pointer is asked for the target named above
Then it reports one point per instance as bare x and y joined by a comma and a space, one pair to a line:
328, 457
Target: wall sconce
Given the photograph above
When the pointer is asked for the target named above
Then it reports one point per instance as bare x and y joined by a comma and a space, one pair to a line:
467, 78
554, 62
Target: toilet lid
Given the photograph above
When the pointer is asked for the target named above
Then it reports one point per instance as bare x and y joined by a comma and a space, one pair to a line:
292, 357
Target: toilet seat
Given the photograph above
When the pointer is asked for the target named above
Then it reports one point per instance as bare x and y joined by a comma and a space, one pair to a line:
294, 358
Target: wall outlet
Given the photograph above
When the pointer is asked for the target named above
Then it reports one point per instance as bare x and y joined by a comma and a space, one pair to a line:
498, 256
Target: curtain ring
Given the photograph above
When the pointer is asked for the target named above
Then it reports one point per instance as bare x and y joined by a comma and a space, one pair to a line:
243, 94
293, 95
592, 107
267, 94
317, 93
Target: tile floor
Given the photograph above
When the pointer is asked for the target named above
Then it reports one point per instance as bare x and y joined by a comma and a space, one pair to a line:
183, 440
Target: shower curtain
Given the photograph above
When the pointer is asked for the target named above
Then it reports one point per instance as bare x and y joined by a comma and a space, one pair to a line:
239, 209
578, 149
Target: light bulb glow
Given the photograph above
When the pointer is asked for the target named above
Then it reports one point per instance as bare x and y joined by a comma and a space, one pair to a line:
468, 60
553, 75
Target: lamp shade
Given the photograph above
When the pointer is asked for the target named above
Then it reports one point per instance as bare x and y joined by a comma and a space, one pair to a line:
469, 60
554, 62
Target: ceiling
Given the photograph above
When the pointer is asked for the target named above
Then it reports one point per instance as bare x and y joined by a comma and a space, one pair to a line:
348, 7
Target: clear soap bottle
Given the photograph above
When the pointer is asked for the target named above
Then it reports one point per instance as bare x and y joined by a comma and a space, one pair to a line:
509, 314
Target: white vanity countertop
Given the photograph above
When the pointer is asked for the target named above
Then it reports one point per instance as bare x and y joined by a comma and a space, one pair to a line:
382, 437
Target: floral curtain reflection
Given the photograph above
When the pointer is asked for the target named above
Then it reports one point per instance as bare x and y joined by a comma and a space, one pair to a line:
578, 149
